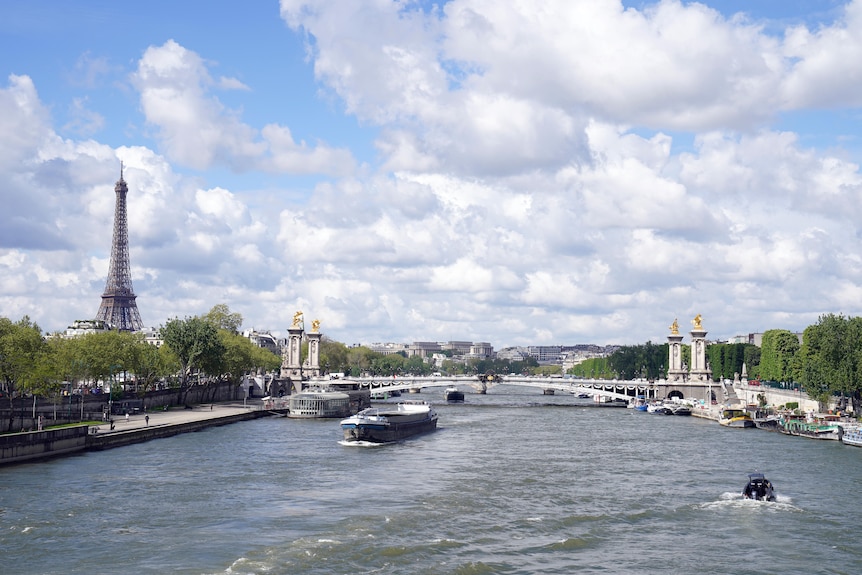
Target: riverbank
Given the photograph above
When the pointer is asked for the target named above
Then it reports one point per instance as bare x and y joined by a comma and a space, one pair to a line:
20, 447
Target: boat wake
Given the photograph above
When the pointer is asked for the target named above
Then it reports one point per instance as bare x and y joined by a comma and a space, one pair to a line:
364, 443
729, 500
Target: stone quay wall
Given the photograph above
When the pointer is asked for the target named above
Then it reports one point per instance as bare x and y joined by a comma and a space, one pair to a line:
18, 447
74, 408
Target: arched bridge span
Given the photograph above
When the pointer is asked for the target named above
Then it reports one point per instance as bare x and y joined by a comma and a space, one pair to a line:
610, 389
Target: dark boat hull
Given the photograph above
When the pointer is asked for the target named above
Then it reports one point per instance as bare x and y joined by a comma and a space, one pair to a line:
394, 431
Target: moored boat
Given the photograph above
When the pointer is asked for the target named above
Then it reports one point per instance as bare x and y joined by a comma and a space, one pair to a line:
681, 409
814, 429
735, 417
318, 403
453, 395
853, 436
390, 423
639, 403
659, 408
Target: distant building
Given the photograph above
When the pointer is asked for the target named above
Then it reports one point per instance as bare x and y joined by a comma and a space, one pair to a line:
263, 339
423, 349
388, 348
481, 350
513, 353
153, 336
81, 327
546, 353
756, 338
457, 347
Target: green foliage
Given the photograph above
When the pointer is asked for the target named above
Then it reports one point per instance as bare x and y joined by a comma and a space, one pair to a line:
24, 363
778, 350
547, 370
726, 360
221, 317
240, 356
640, 361
196, 344
593, 368
333, 356
830, 359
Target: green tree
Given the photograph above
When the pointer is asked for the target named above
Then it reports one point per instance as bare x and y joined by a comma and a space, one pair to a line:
333, 356
221, 317
778, 350
24, 367
639, 361
241, 357
830, 359
359, 360
593, 368
196, 344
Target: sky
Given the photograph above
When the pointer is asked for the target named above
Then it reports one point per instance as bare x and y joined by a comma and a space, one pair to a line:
512, 172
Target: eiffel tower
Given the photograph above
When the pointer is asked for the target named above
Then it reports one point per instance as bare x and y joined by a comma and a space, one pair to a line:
118, 308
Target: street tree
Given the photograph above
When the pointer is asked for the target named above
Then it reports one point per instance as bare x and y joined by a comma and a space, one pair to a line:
196, 344
23, 362
222, 318
777, 352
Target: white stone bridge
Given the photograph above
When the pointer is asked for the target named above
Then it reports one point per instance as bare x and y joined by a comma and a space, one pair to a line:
599, 389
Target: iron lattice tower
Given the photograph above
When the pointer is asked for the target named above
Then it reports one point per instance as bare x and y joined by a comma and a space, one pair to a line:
118, 302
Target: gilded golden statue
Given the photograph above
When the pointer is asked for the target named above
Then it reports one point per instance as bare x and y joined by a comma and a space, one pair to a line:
297, 319
674, 327
696, 322
315, 326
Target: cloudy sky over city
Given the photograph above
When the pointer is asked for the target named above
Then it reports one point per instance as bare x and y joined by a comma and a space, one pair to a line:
553, 172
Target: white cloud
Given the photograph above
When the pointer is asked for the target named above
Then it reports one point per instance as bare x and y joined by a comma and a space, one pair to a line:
535, 181
197, 130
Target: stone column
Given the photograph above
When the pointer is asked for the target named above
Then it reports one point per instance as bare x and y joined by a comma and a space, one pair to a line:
699, 370
291, 366
675, 372
312, 363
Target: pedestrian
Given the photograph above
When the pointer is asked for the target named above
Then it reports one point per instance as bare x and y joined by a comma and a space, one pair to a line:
127, 417
147, 420
112, 424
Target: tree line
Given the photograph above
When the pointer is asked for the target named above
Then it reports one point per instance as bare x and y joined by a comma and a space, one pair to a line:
828, 361
32, 364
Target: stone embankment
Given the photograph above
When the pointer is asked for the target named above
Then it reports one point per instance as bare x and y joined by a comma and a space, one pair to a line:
18, 447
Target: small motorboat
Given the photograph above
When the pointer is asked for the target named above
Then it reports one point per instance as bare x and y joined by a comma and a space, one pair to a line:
758, 488
659, 408
453, 395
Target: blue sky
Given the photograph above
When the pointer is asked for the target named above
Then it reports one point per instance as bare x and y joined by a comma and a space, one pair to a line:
406, 171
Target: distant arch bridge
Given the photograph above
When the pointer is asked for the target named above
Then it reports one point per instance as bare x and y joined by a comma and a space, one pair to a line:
596, 388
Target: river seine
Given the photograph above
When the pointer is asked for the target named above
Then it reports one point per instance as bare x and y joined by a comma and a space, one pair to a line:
513, 482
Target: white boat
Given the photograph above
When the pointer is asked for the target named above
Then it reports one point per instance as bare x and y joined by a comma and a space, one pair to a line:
735, 417
318, 403
390, 423
852, 436
453, 395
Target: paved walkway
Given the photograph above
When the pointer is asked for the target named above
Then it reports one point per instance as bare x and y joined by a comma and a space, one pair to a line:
179, 415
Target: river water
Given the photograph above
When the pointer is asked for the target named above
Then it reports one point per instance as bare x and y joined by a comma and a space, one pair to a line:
512, 482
